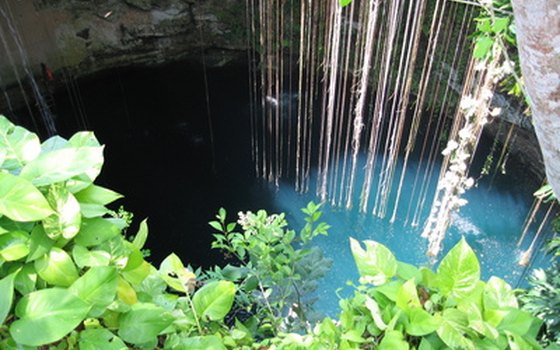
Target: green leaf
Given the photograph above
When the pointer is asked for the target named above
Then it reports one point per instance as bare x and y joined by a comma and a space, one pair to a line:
142, 235
216, 225
209, 342
46, 316
62, 164
14, 245
459, 271
137, 274
482, 47
57, 268
20, 200
407, 296
484, 25
376, 264
21, 146
353, 335
39, 243
97, 195
476, 322
516, 321
93, 210
84, 257
421, 322
498, 294
96, 231
174, 273
214, 300
6, 296
344, 3
407, 271
432, 342
97, 287
84, 139
26, 279
452, 330
373, 308
53, 143
393, 340
67, 219
95, 339
500, 24
143, 323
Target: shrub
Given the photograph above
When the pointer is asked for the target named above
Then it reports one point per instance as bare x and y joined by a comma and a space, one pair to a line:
68, 276
542, 299
397, 306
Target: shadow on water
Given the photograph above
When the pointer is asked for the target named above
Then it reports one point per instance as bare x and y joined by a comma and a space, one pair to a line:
154, 124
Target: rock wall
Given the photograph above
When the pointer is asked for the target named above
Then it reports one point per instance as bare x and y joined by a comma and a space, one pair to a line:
92, 35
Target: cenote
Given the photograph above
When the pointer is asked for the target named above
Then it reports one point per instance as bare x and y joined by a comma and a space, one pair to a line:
393, 120
154, 124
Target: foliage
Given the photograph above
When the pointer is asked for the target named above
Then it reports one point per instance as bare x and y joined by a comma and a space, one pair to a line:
398, 306
543, 298
277, 270
495, 28
68, 276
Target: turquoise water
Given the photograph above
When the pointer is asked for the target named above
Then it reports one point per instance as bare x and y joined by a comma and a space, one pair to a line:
491, 222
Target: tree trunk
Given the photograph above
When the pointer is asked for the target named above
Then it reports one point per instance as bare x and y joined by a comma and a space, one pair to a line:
538, 36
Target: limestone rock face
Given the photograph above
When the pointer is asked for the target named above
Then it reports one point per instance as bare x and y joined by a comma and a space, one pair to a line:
92, 35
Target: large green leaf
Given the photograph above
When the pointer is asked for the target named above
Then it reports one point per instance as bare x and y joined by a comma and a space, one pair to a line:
84, 139
476, 321
142, 235
516, 321
214, 300
143, 323
26, 279
482, 46
498, 294
96, 231
39, 243
174, 273
393, 340
53, 143
98, 286
6, 296
20, 200
67, 219
21, 146
459, 271
421, 322
97, 195
209, 342
96, 339
14, 245
57, 268
452, 330
376, 264
407, 296
84, 257
63, 164
46, 316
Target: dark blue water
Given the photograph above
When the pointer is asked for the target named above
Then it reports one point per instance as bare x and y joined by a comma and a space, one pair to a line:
154, 124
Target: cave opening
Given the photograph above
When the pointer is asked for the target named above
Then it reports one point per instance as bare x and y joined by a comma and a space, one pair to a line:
154, 123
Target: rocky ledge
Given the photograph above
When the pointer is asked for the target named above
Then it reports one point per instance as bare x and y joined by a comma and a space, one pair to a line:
93, 35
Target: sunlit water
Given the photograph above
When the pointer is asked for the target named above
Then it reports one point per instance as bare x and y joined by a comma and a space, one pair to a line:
491, 222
